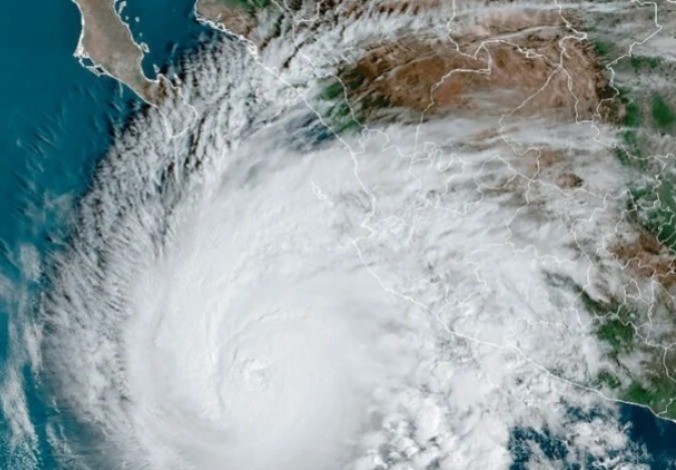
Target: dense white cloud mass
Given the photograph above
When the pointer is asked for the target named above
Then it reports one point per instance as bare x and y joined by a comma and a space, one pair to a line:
241, 296
260, 330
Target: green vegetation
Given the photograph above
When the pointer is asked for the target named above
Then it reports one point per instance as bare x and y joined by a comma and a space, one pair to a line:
641, 62
338, 113
347, 110
641, 111
657, 394
602, 48
612, 321
619, 335
341, 118
614, 327
594, 306
333, 91
654, 208
606, 378
638, 64
613, 324
629, 153
632, 117
630, 139
662, 114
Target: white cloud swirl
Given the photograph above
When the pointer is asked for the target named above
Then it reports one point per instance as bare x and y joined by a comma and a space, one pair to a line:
230, 301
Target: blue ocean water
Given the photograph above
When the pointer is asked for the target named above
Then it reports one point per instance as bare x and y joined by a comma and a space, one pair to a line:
57, 120
651, 441
155, 22
656, 436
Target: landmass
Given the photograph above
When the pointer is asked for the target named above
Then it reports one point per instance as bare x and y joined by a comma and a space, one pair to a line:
534, 60
234, 16
106, 46
567, 65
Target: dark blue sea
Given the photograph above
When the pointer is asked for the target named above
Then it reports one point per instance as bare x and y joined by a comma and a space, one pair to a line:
56, 121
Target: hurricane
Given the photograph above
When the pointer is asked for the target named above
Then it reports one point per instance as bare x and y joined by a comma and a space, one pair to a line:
248, 285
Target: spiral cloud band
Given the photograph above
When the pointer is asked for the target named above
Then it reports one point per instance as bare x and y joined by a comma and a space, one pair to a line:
261, 322
247, 290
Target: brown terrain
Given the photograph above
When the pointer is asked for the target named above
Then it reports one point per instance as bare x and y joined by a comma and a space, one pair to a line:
493, 58
648, 257
438, 76
221, 13
107, 41
524, 61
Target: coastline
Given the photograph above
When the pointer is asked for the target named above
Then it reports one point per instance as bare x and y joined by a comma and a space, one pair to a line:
128, 70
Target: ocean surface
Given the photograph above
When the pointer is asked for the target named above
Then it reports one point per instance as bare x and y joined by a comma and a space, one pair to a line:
56, 121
